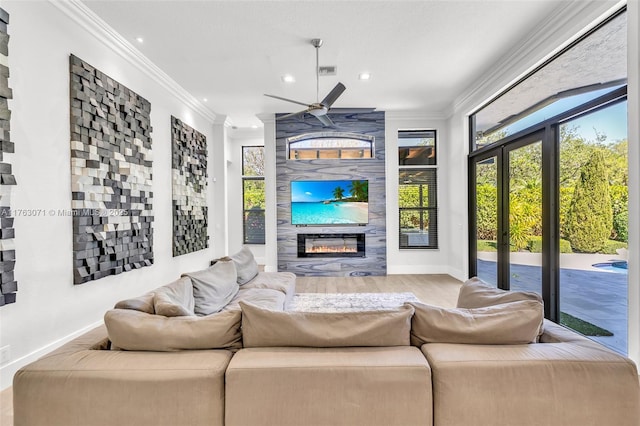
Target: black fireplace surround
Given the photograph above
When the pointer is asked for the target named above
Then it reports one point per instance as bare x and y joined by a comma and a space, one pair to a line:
331, 245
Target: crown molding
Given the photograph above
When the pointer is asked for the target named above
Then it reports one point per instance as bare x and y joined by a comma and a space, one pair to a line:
108, 36
568, 22
414, 115
267, 117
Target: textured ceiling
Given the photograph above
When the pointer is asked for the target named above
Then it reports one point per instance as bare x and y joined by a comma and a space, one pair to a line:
421, 54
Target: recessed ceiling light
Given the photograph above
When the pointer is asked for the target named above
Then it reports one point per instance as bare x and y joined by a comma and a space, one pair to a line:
288, 78
205, 99
139, 39
254, 127
364, 76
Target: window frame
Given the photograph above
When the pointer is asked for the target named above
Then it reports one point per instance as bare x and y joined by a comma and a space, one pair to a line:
366, 139
430, 210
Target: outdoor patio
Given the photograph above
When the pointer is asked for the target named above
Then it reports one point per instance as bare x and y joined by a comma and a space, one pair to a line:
597, 297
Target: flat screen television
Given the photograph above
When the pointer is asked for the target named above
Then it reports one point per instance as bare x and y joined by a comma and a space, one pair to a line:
329, 202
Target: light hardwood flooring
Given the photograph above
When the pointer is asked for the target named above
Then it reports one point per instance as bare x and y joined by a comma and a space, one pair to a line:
441, 290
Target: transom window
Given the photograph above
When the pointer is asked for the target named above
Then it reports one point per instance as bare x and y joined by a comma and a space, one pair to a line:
330, 145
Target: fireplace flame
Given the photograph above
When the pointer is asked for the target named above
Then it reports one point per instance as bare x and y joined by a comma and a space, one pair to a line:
332, 249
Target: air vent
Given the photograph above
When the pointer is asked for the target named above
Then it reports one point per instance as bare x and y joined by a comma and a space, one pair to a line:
328, 70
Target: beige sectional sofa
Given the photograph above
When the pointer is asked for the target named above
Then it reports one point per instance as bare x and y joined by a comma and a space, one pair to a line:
490, 362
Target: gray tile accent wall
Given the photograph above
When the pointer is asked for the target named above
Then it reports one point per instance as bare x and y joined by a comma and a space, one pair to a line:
8, 284
189, 176
375, 260
111, 175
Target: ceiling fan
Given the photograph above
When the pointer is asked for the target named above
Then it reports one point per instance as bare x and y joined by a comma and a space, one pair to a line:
319, 109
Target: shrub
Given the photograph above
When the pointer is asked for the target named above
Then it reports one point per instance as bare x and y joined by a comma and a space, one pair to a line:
590, 217
535, 245
611, 246
620, 205
487, 211
484, 245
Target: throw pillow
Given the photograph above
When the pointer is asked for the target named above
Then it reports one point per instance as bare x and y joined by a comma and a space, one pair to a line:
506, 324
475, 293
213, 287
139, 331
267, 328
246, 265
142, 303
175, 299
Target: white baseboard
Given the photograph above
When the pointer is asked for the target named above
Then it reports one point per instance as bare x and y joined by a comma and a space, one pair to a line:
458, 274
7, 371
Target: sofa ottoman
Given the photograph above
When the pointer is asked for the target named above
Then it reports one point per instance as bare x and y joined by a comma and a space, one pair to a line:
353, 386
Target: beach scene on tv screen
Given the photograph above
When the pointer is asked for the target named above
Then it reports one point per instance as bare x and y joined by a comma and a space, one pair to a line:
329, 202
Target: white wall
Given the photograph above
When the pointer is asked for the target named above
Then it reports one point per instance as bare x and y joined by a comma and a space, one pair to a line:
238, 139
49, 308
418, 261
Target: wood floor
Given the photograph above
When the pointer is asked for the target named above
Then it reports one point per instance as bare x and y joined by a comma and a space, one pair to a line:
440, 290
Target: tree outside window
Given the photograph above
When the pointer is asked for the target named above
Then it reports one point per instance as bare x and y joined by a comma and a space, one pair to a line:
253, 194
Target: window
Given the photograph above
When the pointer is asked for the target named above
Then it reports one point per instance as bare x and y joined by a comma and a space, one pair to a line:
548, 182
330, 145
253, 198
417, 189
590, 68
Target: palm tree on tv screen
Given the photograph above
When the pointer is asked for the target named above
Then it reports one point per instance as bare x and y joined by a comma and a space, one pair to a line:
338, 193
359, 190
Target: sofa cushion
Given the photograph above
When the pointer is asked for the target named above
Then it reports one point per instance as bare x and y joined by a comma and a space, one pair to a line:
530, 385
246, 265
388, 386
263, 297
506, 324
79, 385
475, 293
142, 303
139, 331
267, 328
213, 287
284, 282
175, 299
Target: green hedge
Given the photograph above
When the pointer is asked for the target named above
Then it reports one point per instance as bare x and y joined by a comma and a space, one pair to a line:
487, 245
611, 246
535, 245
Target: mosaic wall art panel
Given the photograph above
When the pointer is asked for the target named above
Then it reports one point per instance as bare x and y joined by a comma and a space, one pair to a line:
7, 180
111, 175
189, 175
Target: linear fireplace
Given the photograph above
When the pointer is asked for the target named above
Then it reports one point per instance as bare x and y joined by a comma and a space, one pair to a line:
331, 245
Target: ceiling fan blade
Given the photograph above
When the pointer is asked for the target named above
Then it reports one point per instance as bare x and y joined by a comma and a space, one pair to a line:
333, 95
325, 120
288, 100
293, 114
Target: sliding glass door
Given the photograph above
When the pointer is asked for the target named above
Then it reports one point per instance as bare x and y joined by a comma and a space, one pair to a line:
548, 213
508, 215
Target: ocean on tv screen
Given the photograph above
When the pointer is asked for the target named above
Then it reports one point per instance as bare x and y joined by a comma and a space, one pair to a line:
333, 213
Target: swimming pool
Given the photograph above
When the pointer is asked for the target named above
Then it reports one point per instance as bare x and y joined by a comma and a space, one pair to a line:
617, 266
